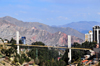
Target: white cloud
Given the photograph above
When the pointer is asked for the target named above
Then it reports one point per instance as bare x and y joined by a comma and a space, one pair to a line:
44, 9
89, 14
62, 18
72, 1
98, 13
23, 6
21, 1
34, 19
49, 18
23, 12
16, 14
54, 11
47, 0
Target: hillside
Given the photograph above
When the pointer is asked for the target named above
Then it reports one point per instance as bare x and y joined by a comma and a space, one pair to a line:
8, 30
67, 30
82, 26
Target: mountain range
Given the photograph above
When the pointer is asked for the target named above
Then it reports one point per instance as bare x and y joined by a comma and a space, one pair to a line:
35, 31
81, 26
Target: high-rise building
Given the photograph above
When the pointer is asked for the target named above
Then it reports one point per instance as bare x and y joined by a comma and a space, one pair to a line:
23, 40
96, 33
89, 36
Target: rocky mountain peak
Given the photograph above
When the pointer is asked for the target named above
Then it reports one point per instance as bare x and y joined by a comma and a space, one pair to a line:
37, 32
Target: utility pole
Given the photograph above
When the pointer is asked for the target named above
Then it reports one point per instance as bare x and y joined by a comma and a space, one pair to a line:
17, 41
69, 46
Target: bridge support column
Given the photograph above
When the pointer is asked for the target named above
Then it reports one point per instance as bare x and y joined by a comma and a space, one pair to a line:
69, 46
17, 41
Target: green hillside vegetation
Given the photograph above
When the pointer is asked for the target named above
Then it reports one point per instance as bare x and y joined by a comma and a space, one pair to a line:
78, 54
43, 56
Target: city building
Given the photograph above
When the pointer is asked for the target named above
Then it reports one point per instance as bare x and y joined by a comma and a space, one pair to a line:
5, 41
96, 33
89, 36
23, 40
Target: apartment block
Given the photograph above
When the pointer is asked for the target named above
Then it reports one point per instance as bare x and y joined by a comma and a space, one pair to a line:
89, 36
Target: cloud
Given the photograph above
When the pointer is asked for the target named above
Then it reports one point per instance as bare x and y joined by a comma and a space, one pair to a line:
20, 1
98, 13
47, 0
62, 18
16, 14
23, 12
72, 1
50, 11
49, 18
54, 11
34, 19
23, 6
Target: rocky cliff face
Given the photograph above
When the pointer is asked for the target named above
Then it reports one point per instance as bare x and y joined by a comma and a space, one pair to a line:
67, 30
8, 30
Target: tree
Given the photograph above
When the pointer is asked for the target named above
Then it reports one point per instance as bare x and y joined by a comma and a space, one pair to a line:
65, 57
43, 53
8, 52
79, 64
3, 51
62, 63
88, 44
20, 42
21, 60
27, 59
38, 43
13, 41
47, 63
77, 54
76, 45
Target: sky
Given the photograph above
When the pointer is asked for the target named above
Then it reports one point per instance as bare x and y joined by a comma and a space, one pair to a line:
51, 12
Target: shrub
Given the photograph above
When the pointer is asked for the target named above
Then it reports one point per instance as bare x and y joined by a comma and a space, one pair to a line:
21, 61
16, 59
79, 64
13, 62
3, 51
27, 60
3, 63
